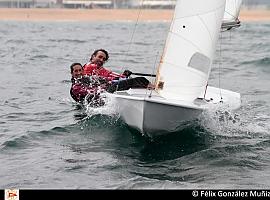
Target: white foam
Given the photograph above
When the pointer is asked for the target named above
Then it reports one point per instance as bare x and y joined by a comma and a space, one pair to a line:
109, 108
221, 121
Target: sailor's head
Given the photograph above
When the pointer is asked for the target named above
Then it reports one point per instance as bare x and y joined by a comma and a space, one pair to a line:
99, 57
76, 70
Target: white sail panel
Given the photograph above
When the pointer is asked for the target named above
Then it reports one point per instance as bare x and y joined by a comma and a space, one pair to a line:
232, 10
189, 50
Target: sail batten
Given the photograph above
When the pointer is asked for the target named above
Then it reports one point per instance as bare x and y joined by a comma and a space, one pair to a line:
190, 48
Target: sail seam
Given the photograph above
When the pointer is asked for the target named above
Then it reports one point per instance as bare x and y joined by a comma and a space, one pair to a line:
207, 12
207, 28
193, 44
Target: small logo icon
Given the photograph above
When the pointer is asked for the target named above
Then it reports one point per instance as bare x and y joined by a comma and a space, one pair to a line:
195, 193
11, 194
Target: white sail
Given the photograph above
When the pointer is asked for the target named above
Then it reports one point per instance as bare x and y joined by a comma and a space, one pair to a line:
232, 10
184, 69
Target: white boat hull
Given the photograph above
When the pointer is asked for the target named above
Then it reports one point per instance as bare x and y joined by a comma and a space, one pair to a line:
153, 115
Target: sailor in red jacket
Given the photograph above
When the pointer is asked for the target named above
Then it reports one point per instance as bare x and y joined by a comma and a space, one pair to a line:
116, 81
95, 66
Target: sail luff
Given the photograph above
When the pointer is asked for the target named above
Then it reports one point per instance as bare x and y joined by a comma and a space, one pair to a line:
158, 84
190, 48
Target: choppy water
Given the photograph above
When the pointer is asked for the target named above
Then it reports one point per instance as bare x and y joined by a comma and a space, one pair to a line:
47, 141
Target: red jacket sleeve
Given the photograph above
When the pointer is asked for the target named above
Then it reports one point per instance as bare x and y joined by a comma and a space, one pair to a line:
88, 69
91, 69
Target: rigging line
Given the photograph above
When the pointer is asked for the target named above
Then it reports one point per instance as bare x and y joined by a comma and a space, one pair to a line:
131, 39
231, 15
133, 32
219, 67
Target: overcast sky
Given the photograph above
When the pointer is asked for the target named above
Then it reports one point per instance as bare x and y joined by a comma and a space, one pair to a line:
256, 1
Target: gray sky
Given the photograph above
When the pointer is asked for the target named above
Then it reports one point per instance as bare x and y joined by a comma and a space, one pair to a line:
256, 2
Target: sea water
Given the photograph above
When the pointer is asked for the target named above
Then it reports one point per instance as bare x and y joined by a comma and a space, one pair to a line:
48, 141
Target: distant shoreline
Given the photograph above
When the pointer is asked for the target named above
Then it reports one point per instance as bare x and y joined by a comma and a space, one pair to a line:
41, 14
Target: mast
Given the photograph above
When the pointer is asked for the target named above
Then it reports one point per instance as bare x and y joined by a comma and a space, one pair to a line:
189, 50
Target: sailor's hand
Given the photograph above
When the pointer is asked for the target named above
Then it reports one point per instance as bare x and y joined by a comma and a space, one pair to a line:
127, 73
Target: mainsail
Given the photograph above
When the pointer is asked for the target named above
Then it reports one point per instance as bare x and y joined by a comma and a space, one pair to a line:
187, 58
230, 18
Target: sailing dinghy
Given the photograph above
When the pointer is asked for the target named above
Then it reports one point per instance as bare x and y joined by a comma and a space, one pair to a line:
230, 18
181, 91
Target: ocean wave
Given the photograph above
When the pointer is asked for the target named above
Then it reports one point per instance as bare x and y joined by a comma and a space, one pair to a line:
31, 139
21, 142
37, 57
67, 40
16, 41
258, 62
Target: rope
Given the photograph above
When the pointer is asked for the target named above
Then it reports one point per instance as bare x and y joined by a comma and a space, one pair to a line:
131, 39
133, 33
219, 67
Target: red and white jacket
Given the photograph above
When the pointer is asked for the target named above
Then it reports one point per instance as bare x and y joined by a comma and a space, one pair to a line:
91, 69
